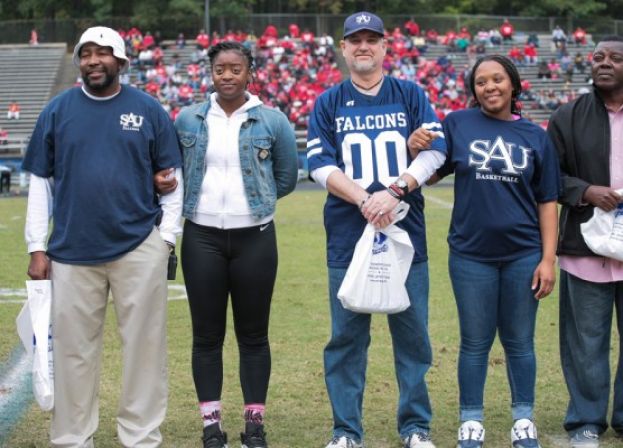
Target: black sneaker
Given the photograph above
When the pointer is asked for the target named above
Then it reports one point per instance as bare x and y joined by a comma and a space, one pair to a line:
253, 436
213, 437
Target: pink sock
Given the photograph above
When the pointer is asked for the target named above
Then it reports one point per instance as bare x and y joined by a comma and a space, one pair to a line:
210, 412
254, 413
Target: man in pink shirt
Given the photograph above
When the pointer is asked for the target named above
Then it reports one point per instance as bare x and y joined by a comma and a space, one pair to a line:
588, 133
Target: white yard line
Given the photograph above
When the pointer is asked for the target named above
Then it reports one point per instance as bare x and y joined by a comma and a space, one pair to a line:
12, 295
438, 201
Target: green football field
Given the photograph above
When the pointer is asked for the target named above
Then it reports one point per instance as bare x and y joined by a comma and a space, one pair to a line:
298, 413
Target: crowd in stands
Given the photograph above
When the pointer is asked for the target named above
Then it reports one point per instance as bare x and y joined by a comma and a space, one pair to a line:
293, 69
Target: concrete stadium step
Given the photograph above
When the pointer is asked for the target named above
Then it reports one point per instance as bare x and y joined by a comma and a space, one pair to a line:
27, 75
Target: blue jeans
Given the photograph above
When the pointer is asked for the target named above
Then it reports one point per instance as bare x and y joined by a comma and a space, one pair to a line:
346, 357
490, 297
586, 310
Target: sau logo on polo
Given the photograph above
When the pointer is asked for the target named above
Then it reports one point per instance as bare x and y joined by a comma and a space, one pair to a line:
131, 122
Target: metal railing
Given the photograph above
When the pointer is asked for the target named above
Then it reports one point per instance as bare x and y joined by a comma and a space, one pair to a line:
13, 145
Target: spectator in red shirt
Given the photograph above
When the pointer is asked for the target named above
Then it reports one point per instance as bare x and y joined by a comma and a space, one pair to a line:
185, 94
175, 110
507, 30
152, 88
526, 90
397, 34
230, 36
216, 38
413, 29
307, 37
399, 48
294, 30
271, 31
515, 55
579, 36
464, 34
449, 38
432, 36
148, 40
192, 70
203, 40
158, 55
531, 54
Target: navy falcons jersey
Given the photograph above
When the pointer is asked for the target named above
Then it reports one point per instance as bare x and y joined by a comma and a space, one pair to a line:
366, 137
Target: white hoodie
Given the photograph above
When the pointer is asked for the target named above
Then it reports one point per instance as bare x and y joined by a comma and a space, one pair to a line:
222, 202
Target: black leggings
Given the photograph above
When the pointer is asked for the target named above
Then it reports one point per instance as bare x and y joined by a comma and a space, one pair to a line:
217, 263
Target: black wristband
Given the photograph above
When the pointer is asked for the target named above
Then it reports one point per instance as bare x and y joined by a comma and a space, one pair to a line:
393, 192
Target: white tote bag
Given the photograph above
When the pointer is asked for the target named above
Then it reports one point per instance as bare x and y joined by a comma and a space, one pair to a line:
603, 233
35, 330
375, 279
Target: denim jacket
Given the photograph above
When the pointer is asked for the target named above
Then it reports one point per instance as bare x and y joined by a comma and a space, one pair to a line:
268, 156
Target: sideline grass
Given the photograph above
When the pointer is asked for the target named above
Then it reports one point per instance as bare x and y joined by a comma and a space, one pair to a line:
298, 411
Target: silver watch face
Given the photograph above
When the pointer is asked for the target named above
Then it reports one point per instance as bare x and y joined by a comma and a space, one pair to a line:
401, 183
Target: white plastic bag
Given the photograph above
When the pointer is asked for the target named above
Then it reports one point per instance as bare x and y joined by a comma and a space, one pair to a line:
603, 233
35, 330
375, 279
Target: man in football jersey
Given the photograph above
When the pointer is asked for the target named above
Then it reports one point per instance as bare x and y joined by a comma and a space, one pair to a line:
92, 159
587, 134
357, 149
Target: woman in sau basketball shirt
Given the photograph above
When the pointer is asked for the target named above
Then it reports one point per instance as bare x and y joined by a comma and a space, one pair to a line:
502, 241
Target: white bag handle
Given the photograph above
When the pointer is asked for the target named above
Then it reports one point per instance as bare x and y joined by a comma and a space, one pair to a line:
400, 211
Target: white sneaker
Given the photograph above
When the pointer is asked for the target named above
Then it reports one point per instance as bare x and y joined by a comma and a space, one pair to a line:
419, 439
523, 434
585, 438
471, 435
343, 442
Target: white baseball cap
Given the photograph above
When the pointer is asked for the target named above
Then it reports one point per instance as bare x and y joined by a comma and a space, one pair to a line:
104, 37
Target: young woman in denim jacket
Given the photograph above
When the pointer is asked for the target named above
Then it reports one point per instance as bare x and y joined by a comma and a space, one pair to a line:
239, 158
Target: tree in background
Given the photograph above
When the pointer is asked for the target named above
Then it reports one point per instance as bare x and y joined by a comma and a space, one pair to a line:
149, 12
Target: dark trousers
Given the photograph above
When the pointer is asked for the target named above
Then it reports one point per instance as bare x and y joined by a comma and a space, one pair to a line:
586, 312
241, 263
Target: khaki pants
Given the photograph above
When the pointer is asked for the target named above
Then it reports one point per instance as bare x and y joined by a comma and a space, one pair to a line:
80, 295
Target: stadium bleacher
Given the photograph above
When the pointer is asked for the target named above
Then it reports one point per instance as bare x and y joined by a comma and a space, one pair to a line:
27, 75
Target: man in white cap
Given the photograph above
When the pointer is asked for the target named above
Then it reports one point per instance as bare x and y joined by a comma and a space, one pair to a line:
92, 158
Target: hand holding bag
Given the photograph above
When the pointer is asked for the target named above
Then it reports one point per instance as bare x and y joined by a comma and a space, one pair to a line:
375, 279
35, 330
603, 233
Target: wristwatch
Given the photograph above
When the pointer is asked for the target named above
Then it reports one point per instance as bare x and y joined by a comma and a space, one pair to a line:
402, 185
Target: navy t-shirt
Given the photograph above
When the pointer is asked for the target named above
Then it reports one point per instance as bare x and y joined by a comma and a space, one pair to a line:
102, 155
503, 169
366, 137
